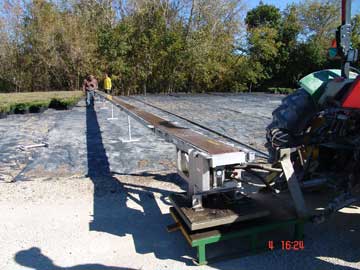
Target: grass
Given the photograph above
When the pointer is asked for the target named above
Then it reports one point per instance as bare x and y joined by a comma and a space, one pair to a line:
37, 101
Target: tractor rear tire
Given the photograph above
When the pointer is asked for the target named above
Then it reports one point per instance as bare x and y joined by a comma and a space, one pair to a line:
289, 121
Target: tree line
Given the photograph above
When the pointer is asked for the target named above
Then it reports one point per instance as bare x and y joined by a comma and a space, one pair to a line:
164, 46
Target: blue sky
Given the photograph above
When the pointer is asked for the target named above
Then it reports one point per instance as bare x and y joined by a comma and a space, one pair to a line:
282, 4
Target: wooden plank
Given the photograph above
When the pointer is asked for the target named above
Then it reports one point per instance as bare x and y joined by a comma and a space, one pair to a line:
226, 231
216, 212
280, 206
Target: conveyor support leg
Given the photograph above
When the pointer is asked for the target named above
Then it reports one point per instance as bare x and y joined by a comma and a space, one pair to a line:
201, 254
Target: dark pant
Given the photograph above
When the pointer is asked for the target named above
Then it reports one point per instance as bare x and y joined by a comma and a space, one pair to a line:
89, 98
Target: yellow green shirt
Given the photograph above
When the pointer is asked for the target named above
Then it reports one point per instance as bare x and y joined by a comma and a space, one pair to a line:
107, 83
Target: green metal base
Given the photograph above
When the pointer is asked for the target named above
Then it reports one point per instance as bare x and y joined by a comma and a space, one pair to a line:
203, 238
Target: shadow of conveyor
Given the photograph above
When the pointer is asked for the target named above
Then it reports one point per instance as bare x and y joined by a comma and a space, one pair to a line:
111, 213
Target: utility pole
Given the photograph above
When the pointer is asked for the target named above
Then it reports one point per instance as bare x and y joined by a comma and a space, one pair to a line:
343, 39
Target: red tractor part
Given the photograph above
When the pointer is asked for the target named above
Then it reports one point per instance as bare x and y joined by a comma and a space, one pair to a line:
352, 99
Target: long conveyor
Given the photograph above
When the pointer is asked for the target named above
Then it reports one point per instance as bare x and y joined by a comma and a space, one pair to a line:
209, 212
172, 132
204, 163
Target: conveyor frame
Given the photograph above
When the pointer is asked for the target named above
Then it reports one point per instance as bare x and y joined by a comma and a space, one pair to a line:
201, 161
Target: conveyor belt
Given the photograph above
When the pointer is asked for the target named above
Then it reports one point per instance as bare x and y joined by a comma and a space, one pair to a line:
245, 146
198, 140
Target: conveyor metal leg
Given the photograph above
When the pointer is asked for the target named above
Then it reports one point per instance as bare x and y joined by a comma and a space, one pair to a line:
129, 133
201, 254
293, 183
112, 113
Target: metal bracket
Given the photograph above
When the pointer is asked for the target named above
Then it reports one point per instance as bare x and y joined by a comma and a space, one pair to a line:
112, 113
293, 183
129, 133
197, 202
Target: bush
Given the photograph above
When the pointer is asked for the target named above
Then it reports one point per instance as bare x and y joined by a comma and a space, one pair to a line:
280, 90
38, 101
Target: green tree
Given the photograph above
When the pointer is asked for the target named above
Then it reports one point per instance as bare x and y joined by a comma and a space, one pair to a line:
263, 40
355, 34
164, 45
113, 49
319, 18
286, 70
263, 16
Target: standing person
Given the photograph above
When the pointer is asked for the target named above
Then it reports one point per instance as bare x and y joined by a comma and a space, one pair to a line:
107, 84
89, 85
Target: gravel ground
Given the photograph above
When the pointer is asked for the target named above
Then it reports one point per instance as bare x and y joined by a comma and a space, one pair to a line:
89, 201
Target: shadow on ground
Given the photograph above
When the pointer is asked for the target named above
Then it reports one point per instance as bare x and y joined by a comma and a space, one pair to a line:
33, 258
111, 213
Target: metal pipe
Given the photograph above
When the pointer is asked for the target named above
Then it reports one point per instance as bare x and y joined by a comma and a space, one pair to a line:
346, 11
129, 127
259, 166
